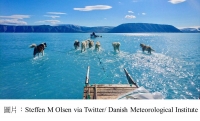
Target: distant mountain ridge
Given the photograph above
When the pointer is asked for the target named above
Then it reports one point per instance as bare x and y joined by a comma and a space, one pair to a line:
191, 30
70, 28
143, 27
53, 29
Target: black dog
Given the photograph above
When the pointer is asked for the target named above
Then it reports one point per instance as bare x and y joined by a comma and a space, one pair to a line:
76, 44
38, 48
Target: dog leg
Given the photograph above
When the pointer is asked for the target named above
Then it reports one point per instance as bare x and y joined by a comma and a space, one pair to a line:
149, 51
143, 49
114, 48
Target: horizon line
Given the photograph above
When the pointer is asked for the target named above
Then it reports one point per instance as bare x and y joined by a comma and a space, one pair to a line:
196, 27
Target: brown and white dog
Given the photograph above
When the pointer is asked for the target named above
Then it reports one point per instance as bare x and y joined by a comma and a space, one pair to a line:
146, 48
116, 46
38, 48
91, 43
97, 46
83, 45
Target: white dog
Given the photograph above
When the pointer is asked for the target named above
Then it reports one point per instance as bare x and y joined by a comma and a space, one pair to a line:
97, 46
116, 46
83, 45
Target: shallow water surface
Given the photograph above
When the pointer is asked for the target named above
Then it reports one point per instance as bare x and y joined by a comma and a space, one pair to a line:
173, 69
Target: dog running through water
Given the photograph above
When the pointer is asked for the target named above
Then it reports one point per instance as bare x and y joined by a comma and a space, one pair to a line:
38, 48
91, 43
97, 46
76, 44
147, 48
83, 45
116, 46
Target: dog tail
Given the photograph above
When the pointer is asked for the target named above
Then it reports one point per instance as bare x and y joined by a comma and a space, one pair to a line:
152, 49
33, 46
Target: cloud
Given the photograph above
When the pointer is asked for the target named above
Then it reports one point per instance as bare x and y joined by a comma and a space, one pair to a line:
143, 13
49, 21
14, 19
56, 13
12, 22
52, 16
130, 16
130, 12
95, 7
176, 1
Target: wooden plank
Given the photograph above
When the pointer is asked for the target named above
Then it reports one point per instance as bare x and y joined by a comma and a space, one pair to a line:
88, 93
95, 92
107, 91
109, 94
112, 91
107, 97
114, 85
116, 88
111, 87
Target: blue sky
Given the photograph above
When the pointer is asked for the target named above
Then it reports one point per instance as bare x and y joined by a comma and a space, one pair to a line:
180, 13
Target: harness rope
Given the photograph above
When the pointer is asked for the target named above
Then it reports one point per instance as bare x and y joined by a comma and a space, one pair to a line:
105, 75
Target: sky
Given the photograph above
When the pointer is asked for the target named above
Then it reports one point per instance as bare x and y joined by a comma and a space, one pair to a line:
179, 13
